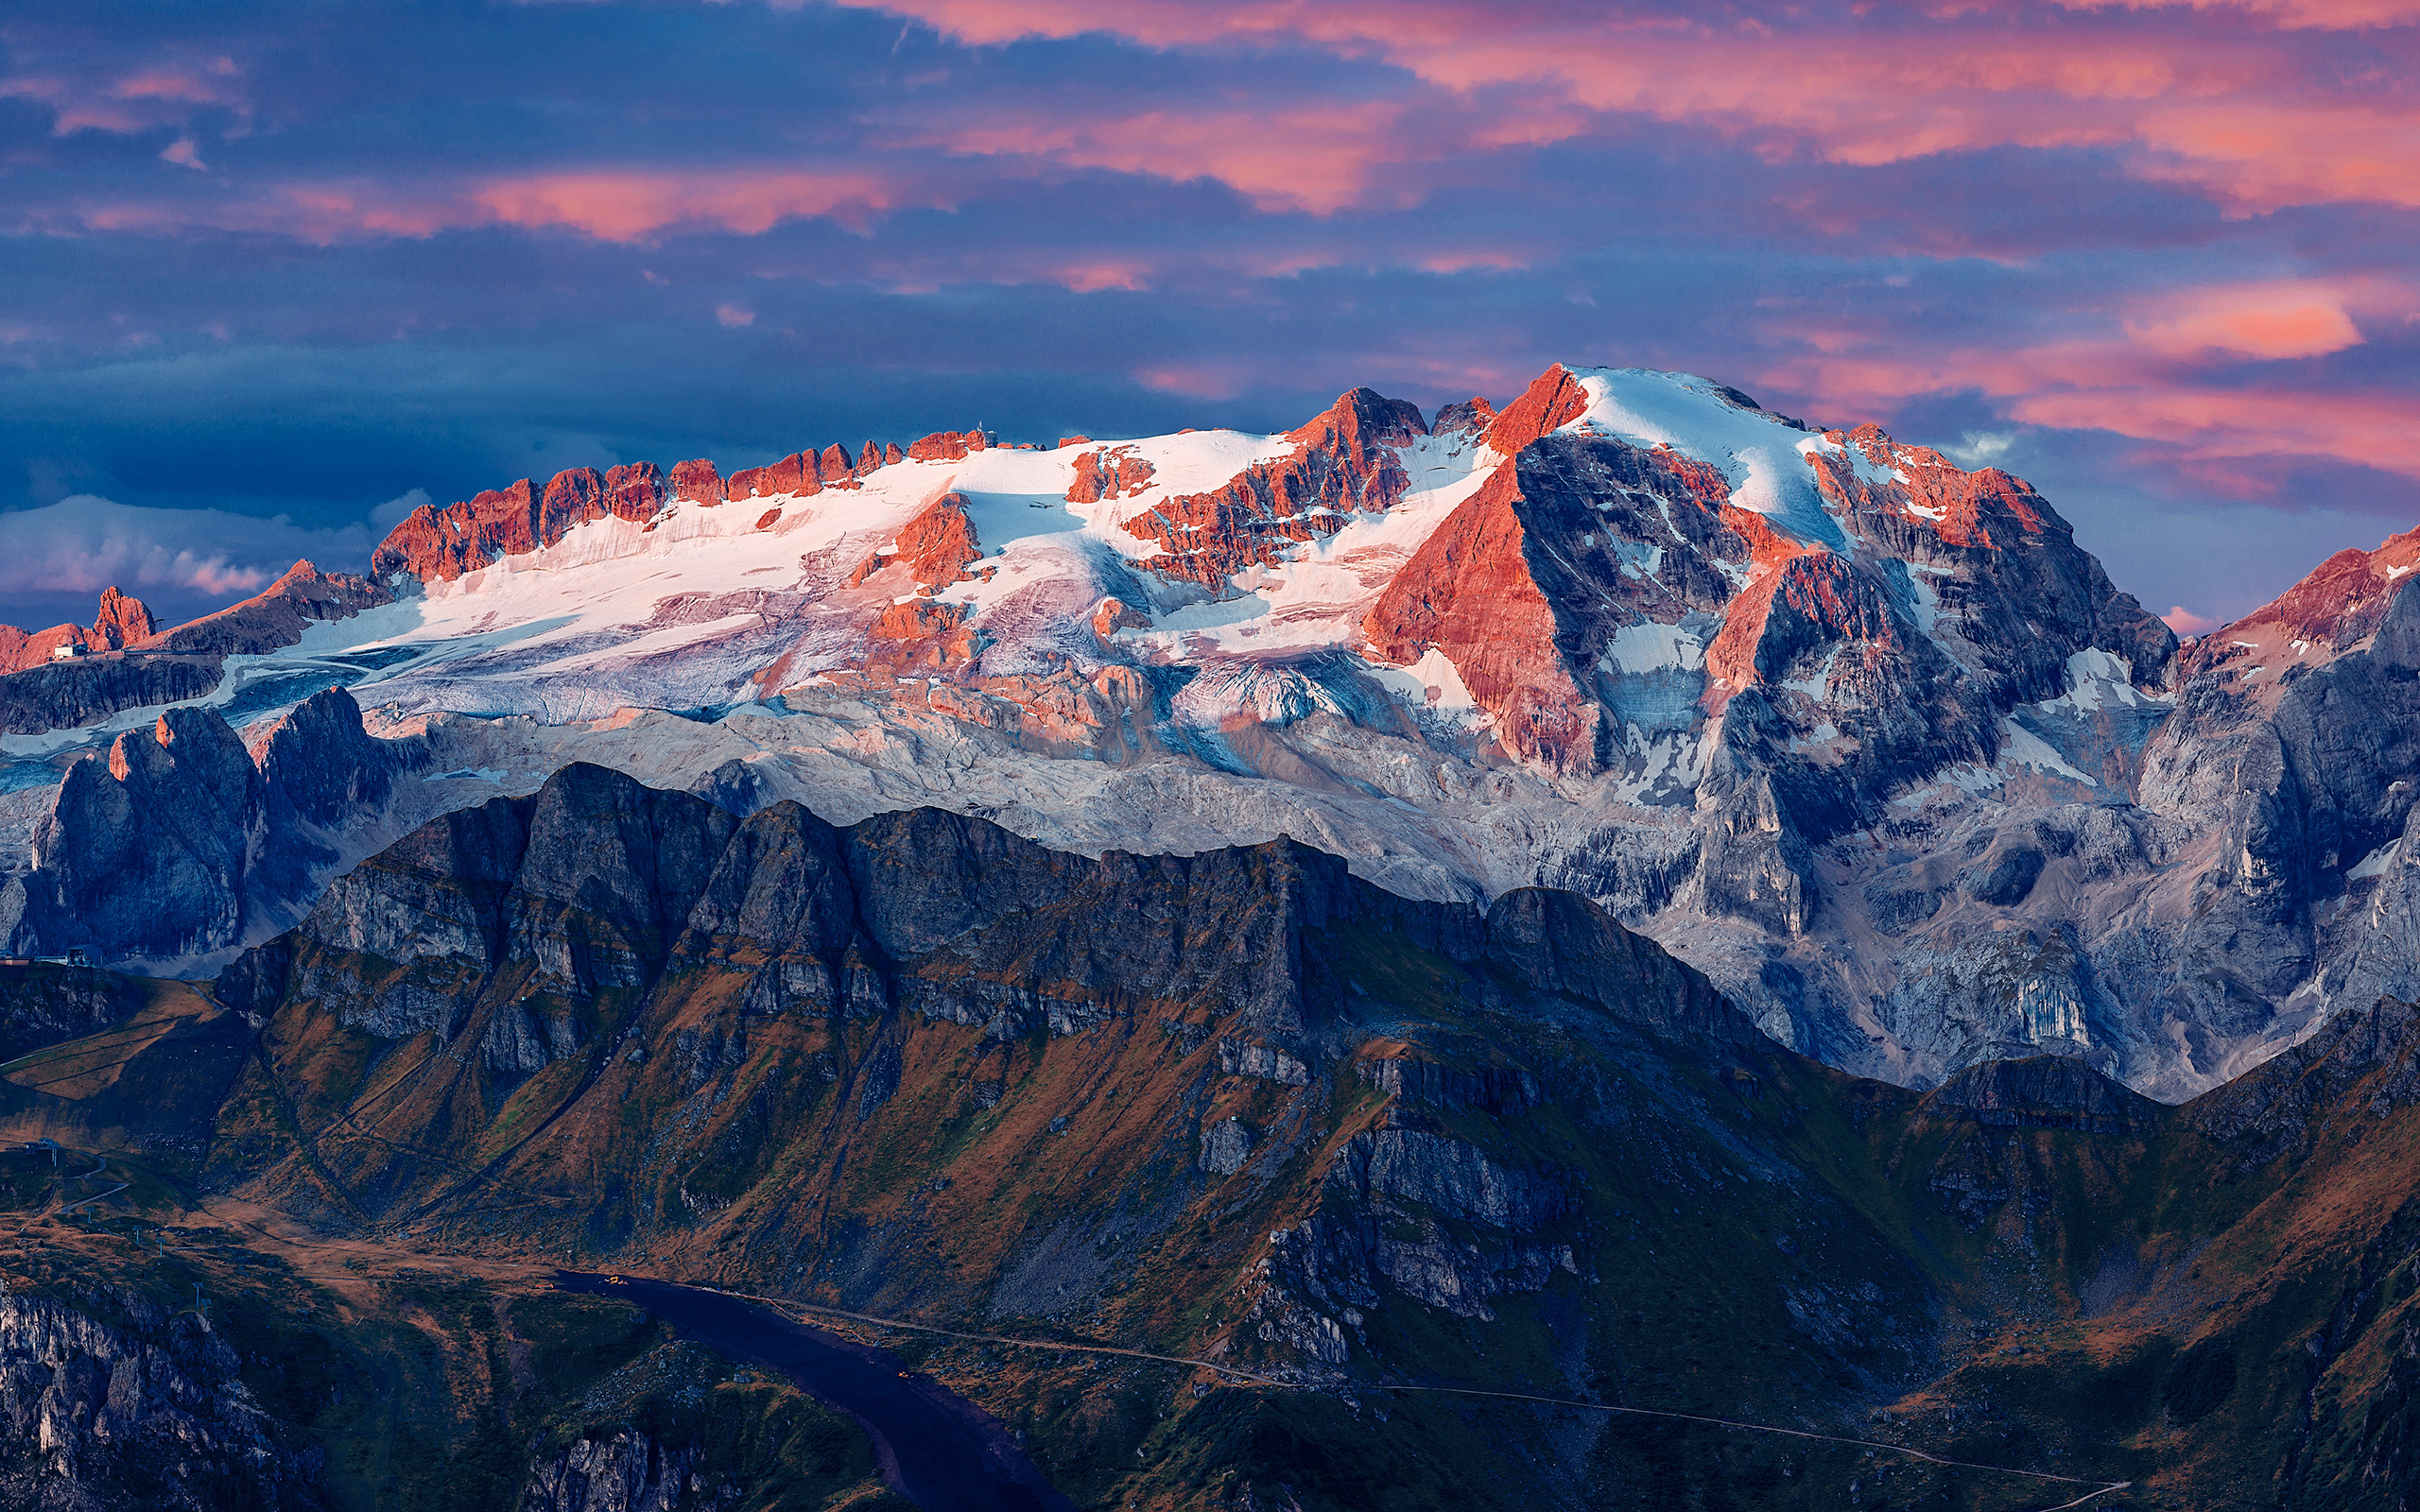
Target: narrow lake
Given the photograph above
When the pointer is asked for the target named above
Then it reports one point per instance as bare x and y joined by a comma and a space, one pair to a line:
936, 1448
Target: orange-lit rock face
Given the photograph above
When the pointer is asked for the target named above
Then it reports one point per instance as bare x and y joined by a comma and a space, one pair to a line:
793, 475
122, 621
1347, 459
697, 482
2344, 600
444, 545
936, 547
1550, 402
1469, 592
1112, 472
1987, 507
1115, 615
920, 637
939, 544
437, 545
946, 446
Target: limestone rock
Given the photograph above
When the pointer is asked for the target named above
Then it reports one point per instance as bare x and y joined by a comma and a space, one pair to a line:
180, 839
1225, 1146
150, 1412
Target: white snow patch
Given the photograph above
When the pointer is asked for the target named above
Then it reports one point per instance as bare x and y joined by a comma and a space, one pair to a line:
1759, 455
1651, 648
2022, 747
2097, 679
2374, 864
1431, 683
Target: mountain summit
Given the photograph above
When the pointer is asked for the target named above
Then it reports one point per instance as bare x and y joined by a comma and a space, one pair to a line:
1863, 735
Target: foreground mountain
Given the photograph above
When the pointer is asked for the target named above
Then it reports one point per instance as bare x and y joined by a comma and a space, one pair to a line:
1863, 735
1246, 1107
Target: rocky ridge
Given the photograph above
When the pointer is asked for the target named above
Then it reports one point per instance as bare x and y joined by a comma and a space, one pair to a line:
126, 663
1249, 1107
1861, 734
120, 622
148, 1410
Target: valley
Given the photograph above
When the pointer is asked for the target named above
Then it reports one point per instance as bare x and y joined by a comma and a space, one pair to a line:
1240, 1108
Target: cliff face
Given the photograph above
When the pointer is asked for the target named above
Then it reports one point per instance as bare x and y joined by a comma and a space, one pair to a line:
147, 1411
1246, 1106
180, 840
38, 692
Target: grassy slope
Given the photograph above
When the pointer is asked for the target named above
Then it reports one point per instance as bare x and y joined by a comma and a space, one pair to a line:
424, 1390
1758, 1238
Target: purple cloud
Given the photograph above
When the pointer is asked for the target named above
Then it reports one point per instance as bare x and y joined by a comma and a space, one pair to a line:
276, 263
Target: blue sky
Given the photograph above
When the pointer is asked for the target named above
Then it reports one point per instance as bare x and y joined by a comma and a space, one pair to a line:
274, 273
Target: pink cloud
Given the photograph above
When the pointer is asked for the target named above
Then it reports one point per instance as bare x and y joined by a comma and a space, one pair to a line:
631, 205
2284, 320
2210, 423
2184, 622
158, 94
1313, 157
183, 152
610, 204
2164, 369
732, 317
1092, 277
1201, 380
2250, 105
2333, 14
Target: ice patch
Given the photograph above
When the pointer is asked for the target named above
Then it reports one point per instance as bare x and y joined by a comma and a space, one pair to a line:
2098, 680
1651, 648
1432, 682
1759, 456
2374, 864
2022, 747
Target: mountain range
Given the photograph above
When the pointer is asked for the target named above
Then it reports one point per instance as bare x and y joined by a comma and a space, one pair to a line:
1229, 1179
1863, 735
1731, 932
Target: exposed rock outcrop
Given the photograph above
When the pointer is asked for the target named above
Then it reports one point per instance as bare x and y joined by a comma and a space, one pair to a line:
180, 842
625, 1471
1344, 461
272, 618
438, 545
120, 623
168, 666
146, 1411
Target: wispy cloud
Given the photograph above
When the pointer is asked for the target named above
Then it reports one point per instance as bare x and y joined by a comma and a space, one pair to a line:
86, 543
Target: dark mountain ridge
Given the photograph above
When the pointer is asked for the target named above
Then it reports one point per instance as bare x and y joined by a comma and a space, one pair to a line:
1244, 1106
